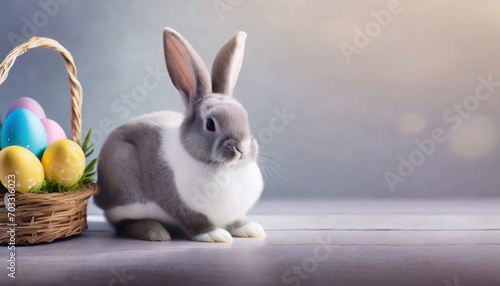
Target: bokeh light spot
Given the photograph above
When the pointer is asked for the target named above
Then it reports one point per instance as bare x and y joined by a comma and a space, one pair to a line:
412, 123
475, 138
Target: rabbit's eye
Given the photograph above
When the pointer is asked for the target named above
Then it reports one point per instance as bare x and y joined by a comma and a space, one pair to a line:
210, 124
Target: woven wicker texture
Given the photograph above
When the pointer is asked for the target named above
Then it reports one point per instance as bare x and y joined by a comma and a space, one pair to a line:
46, 217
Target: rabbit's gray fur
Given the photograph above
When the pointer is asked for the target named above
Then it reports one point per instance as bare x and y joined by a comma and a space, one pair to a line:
145, 165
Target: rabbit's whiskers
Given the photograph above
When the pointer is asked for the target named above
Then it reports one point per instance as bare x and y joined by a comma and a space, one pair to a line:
272, 166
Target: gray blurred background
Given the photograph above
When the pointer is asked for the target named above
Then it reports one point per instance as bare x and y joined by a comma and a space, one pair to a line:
359, 93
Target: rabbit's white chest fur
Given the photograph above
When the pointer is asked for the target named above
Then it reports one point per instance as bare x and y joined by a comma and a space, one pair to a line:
223, 194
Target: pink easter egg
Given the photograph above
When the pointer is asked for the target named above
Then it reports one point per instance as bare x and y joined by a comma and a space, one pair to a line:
29, 104
54, 130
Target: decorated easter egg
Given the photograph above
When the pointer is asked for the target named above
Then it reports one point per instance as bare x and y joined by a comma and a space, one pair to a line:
54, 130
29, 104
21, 169
23, 128
63, 162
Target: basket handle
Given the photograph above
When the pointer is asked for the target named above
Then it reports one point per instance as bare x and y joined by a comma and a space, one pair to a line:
74, 85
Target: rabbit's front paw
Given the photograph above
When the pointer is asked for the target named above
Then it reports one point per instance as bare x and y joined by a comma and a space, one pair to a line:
251, 229
217, 235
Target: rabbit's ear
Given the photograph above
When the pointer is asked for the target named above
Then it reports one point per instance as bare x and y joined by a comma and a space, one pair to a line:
227, 65
185, 67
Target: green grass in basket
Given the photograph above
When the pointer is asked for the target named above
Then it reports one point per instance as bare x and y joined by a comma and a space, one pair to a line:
89, 175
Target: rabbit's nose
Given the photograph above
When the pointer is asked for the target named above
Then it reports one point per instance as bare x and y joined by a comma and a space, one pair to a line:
238, 155
243, 147
238, 150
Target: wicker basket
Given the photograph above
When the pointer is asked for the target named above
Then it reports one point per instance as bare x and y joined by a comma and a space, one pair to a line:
46, 217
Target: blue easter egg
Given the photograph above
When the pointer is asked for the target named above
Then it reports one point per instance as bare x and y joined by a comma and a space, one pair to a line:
23, 128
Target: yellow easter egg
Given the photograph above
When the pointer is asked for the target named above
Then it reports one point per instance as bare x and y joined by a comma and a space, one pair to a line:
63, 162
20, 169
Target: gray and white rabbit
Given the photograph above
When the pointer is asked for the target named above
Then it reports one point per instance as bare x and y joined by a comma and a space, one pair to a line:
196, 170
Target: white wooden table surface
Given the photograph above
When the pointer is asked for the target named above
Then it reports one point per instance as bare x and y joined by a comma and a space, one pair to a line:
347, 242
